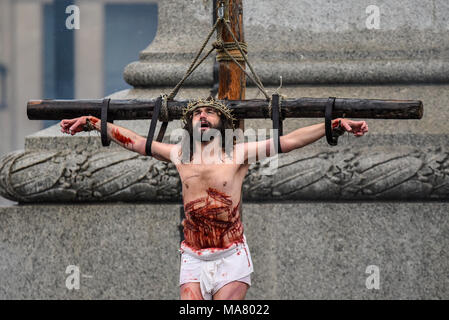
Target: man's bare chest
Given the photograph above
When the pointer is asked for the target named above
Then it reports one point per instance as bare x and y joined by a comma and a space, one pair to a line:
222, 177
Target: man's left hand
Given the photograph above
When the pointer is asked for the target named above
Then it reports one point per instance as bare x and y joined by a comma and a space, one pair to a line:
358, 128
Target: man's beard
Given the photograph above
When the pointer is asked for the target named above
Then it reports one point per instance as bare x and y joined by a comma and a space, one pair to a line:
200, 133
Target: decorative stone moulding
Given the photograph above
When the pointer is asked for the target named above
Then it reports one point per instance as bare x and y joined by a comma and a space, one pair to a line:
366, 173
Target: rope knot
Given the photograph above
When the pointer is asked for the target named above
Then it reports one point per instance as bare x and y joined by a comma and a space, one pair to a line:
218, 44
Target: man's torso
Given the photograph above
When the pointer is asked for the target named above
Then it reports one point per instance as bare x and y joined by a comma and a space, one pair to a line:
212, 204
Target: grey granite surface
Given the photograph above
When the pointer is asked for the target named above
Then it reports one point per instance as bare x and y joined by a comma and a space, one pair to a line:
310, 41
300, 250
6, 202
123, 251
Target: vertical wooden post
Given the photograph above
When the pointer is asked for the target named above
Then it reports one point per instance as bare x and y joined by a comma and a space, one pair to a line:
232, 80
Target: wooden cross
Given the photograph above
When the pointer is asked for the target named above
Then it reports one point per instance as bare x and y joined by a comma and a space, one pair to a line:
231, 91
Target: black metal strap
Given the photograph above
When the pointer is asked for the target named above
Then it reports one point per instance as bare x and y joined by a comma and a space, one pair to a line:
162, 129
105, 118
154, 118
276, 116
331, 138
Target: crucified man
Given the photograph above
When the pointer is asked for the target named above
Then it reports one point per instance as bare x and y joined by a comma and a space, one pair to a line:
215, 258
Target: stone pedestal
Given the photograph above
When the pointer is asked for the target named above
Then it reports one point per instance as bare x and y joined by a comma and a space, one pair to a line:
301, 250
307, 42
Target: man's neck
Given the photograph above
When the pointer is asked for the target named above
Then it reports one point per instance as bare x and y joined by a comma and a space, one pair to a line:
213, 154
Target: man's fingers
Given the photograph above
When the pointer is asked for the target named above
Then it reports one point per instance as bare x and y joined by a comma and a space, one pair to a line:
71, 126
347, 126
358, 128
365, 128
75, 126
66, 123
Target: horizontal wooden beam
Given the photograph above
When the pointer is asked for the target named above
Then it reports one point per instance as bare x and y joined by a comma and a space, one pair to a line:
242, 109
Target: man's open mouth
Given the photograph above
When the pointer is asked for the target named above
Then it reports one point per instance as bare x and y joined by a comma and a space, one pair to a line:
204, 125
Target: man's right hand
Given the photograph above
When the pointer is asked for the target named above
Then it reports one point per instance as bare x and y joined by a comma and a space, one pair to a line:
72, 126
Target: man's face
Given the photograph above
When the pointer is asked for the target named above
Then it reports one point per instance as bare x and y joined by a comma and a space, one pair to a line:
205, 118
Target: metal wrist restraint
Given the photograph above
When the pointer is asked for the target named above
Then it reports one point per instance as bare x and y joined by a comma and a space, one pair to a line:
161, 103
331, 134
105, 118
276, 117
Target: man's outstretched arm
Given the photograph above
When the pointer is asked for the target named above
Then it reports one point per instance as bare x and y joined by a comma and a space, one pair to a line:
307, 135
122, 136
300, 138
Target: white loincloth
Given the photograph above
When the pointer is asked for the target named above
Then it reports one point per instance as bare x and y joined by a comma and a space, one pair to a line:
214, 267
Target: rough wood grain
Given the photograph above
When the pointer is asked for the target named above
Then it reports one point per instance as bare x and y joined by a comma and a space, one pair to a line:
242, 109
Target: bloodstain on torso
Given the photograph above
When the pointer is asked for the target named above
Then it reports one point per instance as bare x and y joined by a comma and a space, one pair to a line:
212, 222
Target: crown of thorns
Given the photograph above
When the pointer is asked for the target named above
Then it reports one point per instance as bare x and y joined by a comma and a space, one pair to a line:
187, 111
